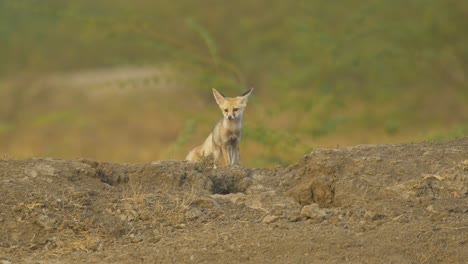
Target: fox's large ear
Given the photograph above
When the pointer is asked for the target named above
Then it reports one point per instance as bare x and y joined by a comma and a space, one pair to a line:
219, 97
245, 95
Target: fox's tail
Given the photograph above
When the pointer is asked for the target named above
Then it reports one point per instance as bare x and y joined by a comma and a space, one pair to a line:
191, 155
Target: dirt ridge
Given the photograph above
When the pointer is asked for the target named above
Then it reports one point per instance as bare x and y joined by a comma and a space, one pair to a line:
402, 203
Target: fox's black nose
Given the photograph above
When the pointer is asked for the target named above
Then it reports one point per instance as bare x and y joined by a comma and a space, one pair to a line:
230, 117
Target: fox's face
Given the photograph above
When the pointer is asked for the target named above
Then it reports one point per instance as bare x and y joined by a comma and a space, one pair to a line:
232, 108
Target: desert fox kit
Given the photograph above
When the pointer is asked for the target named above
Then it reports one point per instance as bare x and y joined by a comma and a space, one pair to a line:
223, 142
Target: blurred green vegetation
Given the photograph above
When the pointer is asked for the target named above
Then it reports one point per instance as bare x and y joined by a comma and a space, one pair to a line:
131, 81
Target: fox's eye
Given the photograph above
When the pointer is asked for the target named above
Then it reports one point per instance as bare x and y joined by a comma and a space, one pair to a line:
225, 110
235, 109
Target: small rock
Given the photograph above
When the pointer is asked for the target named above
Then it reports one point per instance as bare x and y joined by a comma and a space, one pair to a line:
46, 222
330, 212
145, 216
136, 239
56, 203
294, 218
93, 245
193, 214
33, 173
154, 239
335, 220
18, 208
123, 217
128, 206
313, 211
431, 209
369, 215
269, 219
131, 215
180, 226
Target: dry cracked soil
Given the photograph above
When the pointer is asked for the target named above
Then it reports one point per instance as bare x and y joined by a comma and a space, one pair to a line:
402, 203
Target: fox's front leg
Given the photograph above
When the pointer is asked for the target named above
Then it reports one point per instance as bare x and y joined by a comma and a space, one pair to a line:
224, 153
236, 155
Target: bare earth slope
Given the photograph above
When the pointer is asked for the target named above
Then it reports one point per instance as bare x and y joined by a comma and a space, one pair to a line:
405, 203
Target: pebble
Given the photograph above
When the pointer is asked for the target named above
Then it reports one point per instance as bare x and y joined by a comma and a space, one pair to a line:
312, 211
269, 219
431, 209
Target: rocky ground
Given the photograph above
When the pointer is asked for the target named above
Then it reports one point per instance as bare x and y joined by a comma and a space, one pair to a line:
405, 203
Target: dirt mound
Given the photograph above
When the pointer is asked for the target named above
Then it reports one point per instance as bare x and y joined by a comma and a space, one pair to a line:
403, 203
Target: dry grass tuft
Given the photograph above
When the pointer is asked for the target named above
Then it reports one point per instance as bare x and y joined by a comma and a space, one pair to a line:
86, 241
134, 192
5, 156
170, 207
186, 200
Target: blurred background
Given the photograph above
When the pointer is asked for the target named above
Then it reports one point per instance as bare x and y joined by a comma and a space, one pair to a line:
130, 81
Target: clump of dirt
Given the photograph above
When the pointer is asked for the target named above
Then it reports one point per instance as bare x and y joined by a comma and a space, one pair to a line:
404, 203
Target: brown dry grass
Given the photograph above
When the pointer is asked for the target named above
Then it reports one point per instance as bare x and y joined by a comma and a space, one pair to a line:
5, 156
